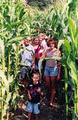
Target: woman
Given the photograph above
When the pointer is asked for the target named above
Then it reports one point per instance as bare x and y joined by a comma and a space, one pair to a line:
52, 69
37, 48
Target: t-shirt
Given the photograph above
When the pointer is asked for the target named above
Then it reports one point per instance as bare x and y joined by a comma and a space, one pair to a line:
37, 52
33, 92
27, 55
44, 44
51, 63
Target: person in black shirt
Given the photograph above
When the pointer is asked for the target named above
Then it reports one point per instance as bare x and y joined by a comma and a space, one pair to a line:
34, 94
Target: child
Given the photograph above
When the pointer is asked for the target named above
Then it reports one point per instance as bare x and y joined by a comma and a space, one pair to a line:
34, 94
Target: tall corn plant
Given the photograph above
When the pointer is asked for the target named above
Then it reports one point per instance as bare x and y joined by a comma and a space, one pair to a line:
71, 53
13, 29
59, 18
72, 61
52, 22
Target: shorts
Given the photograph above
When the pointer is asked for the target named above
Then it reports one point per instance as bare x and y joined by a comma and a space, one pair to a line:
51, 71
33, 108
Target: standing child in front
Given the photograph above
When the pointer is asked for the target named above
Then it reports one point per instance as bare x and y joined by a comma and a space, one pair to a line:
34, 94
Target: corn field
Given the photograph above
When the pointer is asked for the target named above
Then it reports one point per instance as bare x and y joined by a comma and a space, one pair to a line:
17, 21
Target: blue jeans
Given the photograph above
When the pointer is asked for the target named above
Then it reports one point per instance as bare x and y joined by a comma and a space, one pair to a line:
33, 108
51, 71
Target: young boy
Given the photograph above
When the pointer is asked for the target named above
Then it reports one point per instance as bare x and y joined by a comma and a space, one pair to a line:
34, 94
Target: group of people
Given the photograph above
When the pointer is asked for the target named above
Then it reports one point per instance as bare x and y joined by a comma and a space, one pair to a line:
38, 48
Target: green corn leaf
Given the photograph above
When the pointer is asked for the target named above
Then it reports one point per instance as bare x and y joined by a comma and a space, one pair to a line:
53, 58
14, 46
1, 99
67, 47
40, 61
71, 109
39, 65
8, 98
14, 96
71, 82
5, 109
3, 78
2, 47
60, 43
76, 40
73, 72
14, 40
16, 23
72, 28
21, 13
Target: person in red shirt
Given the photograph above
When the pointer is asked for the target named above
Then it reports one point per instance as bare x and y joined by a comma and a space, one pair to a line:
37, 48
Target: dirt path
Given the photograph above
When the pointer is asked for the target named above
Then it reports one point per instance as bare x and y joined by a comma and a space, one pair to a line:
47, 112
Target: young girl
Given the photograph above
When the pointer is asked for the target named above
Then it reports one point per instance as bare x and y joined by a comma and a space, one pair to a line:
34, 93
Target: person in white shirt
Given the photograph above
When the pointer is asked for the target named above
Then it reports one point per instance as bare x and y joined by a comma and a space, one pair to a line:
27, 59
44, 40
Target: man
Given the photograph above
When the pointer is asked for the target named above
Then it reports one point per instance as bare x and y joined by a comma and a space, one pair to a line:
27, 60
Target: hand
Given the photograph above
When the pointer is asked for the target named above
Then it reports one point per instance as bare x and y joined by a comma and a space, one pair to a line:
58, 77
29, 96
39, 90
33, 66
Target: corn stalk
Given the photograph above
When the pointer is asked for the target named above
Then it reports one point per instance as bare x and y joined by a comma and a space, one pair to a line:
3, 65
9, 36
66, 91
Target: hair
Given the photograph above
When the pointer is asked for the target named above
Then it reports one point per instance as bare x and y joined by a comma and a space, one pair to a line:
34, 72
27, 38
53, 41
34, 38
42, 34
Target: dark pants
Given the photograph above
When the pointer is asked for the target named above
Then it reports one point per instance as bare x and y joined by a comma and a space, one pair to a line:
26, 73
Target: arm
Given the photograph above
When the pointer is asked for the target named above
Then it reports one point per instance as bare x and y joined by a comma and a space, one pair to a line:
33, 62
59, 67
33, 59
29, 96
59, 71
43, 55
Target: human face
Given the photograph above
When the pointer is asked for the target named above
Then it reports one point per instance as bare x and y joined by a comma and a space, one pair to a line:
36, 41
26, 42
52, 45
35, 78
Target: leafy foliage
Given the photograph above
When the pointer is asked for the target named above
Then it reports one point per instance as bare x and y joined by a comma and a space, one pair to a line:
17, 22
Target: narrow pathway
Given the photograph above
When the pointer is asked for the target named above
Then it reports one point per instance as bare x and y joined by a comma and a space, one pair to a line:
47, 112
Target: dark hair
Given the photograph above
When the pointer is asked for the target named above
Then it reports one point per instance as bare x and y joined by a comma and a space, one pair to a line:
34, 72
53, 41
35, 37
